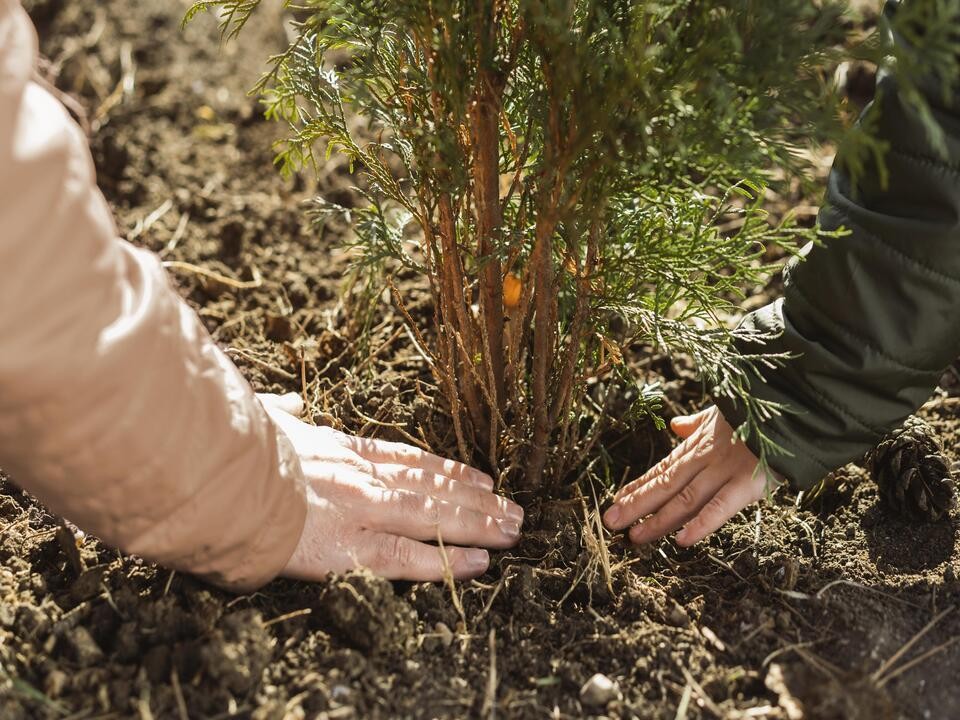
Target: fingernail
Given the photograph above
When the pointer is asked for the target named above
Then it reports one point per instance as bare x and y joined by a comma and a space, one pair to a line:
510, 528
514, 511
476, 559
612, 517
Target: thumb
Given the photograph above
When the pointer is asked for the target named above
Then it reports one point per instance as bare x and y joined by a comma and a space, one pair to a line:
290, 403
685, 425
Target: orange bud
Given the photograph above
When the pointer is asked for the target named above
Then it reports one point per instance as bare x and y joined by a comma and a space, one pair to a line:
511, 290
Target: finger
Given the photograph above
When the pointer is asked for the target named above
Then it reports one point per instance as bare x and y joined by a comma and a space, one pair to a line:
656, 487
383, 451
685, 425
396, 557
290, 403
458, 492
421, 517
679, 456
731, 499
680, 508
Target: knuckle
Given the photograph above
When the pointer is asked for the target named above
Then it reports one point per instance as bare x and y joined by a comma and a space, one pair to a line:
492, 505
706, 445
403, 552
436, 483
409, 503
663, 481
423, 510
399, 473
486, 503
396, 452
664, 465
354, 495
446, 466
359, 464
716, 507
393, 550
630, 487
432, 484
464, 519
630, 499
384, 552
687, 496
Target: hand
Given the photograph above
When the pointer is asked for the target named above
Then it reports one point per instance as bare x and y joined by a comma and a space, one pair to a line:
705, 481
373, 503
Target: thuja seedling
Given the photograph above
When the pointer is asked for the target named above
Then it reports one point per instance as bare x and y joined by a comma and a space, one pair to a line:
573, 179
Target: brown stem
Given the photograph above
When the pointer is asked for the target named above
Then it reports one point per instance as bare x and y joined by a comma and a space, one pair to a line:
456, 314
543, 335
485, 140
451, 380
561, 400
544, 294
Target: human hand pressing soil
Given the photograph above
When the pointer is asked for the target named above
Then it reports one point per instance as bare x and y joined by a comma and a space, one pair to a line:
373, 503
705, 481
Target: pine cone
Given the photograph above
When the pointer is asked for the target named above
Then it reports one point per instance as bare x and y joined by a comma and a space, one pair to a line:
911, 472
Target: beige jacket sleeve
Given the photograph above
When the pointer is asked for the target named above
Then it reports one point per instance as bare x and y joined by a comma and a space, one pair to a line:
117, 410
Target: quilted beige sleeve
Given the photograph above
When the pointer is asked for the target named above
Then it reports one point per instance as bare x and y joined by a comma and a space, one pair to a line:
117, 410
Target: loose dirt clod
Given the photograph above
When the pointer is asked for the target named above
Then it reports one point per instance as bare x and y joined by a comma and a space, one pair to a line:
82, 647
365, 612
238, 651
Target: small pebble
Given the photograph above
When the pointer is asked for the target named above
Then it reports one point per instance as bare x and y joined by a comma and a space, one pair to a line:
341, 693
598, 691
678, 616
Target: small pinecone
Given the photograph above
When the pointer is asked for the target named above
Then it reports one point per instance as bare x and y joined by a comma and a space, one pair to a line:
911, 472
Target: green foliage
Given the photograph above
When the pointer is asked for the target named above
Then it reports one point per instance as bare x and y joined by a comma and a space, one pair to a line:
233, 14
598, 152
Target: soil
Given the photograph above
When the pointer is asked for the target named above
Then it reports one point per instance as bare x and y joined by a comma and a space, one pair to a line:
785, 613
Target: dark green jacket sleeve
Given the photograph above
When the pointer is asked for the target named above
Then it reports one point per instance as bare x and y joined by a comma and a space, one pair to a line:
874, 316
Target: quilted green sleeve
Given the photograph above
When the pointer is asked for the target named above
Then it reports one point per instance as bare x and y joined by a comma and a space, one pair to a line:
874, 316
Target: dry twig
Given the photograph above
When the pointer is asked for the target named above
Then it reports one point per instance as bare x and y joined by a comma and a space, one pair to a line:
878, 676
490, 699
178, 694
214, 275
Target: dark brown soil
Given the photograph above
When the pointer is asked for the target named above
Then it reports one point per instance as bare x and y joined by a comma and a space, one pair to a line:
785, 613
